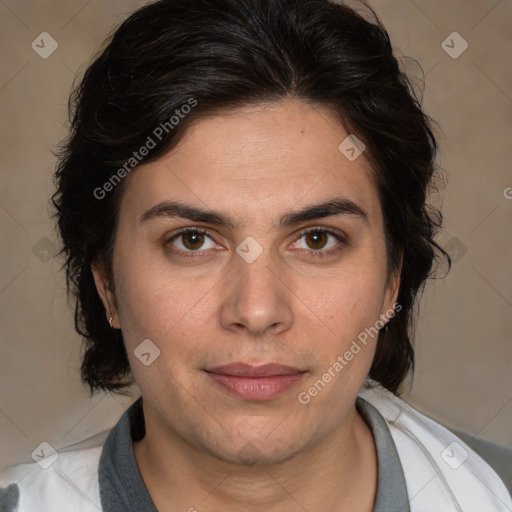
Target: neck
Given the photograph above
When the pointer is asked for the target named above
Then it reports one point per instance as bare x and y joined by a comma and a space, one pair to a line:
337, 473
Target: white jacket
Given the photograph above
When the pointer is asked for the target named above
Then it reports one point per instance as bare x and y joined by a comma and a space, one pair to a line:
442, 473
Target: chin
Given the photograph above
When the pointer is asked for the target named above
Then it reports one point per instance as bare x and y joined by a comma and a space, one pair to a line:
254, 451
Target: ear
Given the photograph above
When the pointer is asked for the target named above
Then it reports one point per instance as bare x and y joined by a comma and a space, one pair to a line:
392, 289
104, 291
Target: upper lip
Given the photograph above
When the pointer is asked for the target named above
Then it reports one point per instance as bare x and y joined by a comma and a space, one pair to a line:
247, 370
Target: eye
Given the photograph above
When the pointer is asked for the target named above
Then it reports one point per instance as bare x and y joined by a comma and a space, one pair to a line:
190, 241
194, 241
320, 241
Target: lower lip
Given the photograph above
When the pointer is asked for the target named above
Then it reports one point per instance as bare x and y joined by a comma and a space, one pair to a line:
256, 388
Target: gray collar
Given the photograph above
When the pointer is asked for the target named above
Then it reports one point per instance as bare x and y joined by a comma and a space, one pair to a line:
391, 487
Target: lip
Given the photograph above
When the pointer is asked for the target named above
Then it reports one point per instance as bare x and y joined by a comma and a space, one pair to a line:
256, 383
249, 370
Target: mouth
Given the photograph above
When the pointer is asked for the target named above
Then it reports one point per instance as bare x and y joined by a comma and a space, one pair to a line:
256, 383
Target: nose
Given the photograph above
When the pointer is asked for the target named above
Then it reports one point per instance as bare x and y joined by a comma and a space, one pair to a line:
256, 298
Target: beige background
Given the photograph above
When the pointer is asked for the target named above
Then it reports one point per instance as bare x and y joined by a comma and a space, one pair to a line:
464, 347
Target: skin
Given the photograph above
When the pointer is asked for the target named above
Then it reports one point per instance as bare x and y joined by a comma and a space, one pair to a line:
206, 449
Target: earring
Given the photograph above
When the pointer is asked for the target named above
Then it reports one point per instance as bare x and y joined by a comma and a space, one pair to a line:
110, 322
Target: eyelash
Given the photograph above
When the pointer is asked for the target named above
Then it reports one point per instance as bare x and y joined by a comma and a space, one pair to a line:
315, 254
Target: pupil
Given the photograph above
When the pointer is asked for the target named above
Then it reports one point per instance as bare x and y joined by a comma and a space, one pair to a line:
319, 239
193, 240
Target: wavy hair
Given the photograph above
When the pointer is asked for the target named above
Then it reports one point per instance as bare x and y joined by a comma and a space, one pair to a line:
227, 54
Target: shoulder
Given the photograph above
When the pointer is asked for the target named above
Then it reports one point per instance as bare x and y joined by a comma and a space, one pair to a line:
440, 468
63, 481
498, 456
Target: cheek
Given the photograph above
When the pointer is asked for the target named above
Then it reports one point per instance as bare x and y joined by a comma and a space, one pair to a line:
348, 299
154, 300
161, 308
349, 304
349, 308
168, 312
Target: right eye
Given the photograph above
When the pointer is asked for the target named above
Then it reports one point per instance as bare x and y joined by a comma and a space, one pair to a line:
189, 241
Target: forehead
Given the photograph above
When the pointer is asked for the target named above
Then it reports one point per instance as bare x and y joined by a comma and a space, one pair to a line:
257, 160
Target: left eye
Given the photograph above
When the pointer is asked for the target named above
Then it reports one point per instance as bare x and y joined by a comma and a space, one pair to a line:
318, 240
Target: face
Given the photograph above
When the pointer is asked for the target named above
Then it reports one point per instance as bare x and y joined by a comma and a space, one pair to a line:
257, 277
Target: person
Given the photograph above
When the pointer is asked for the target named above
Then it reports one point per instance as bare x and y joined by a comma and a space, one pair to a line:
242, 202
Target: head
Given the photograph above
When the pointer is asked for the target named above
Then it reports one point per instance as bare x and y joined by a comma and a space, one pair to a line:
237, 112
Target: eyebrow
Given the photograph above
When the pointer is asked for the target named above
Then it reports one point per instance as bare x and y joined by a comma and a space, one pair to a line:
330, 208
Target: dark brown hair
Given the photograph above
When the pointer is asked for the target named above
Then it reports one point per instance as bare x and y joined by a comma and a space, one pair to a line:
224, 54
